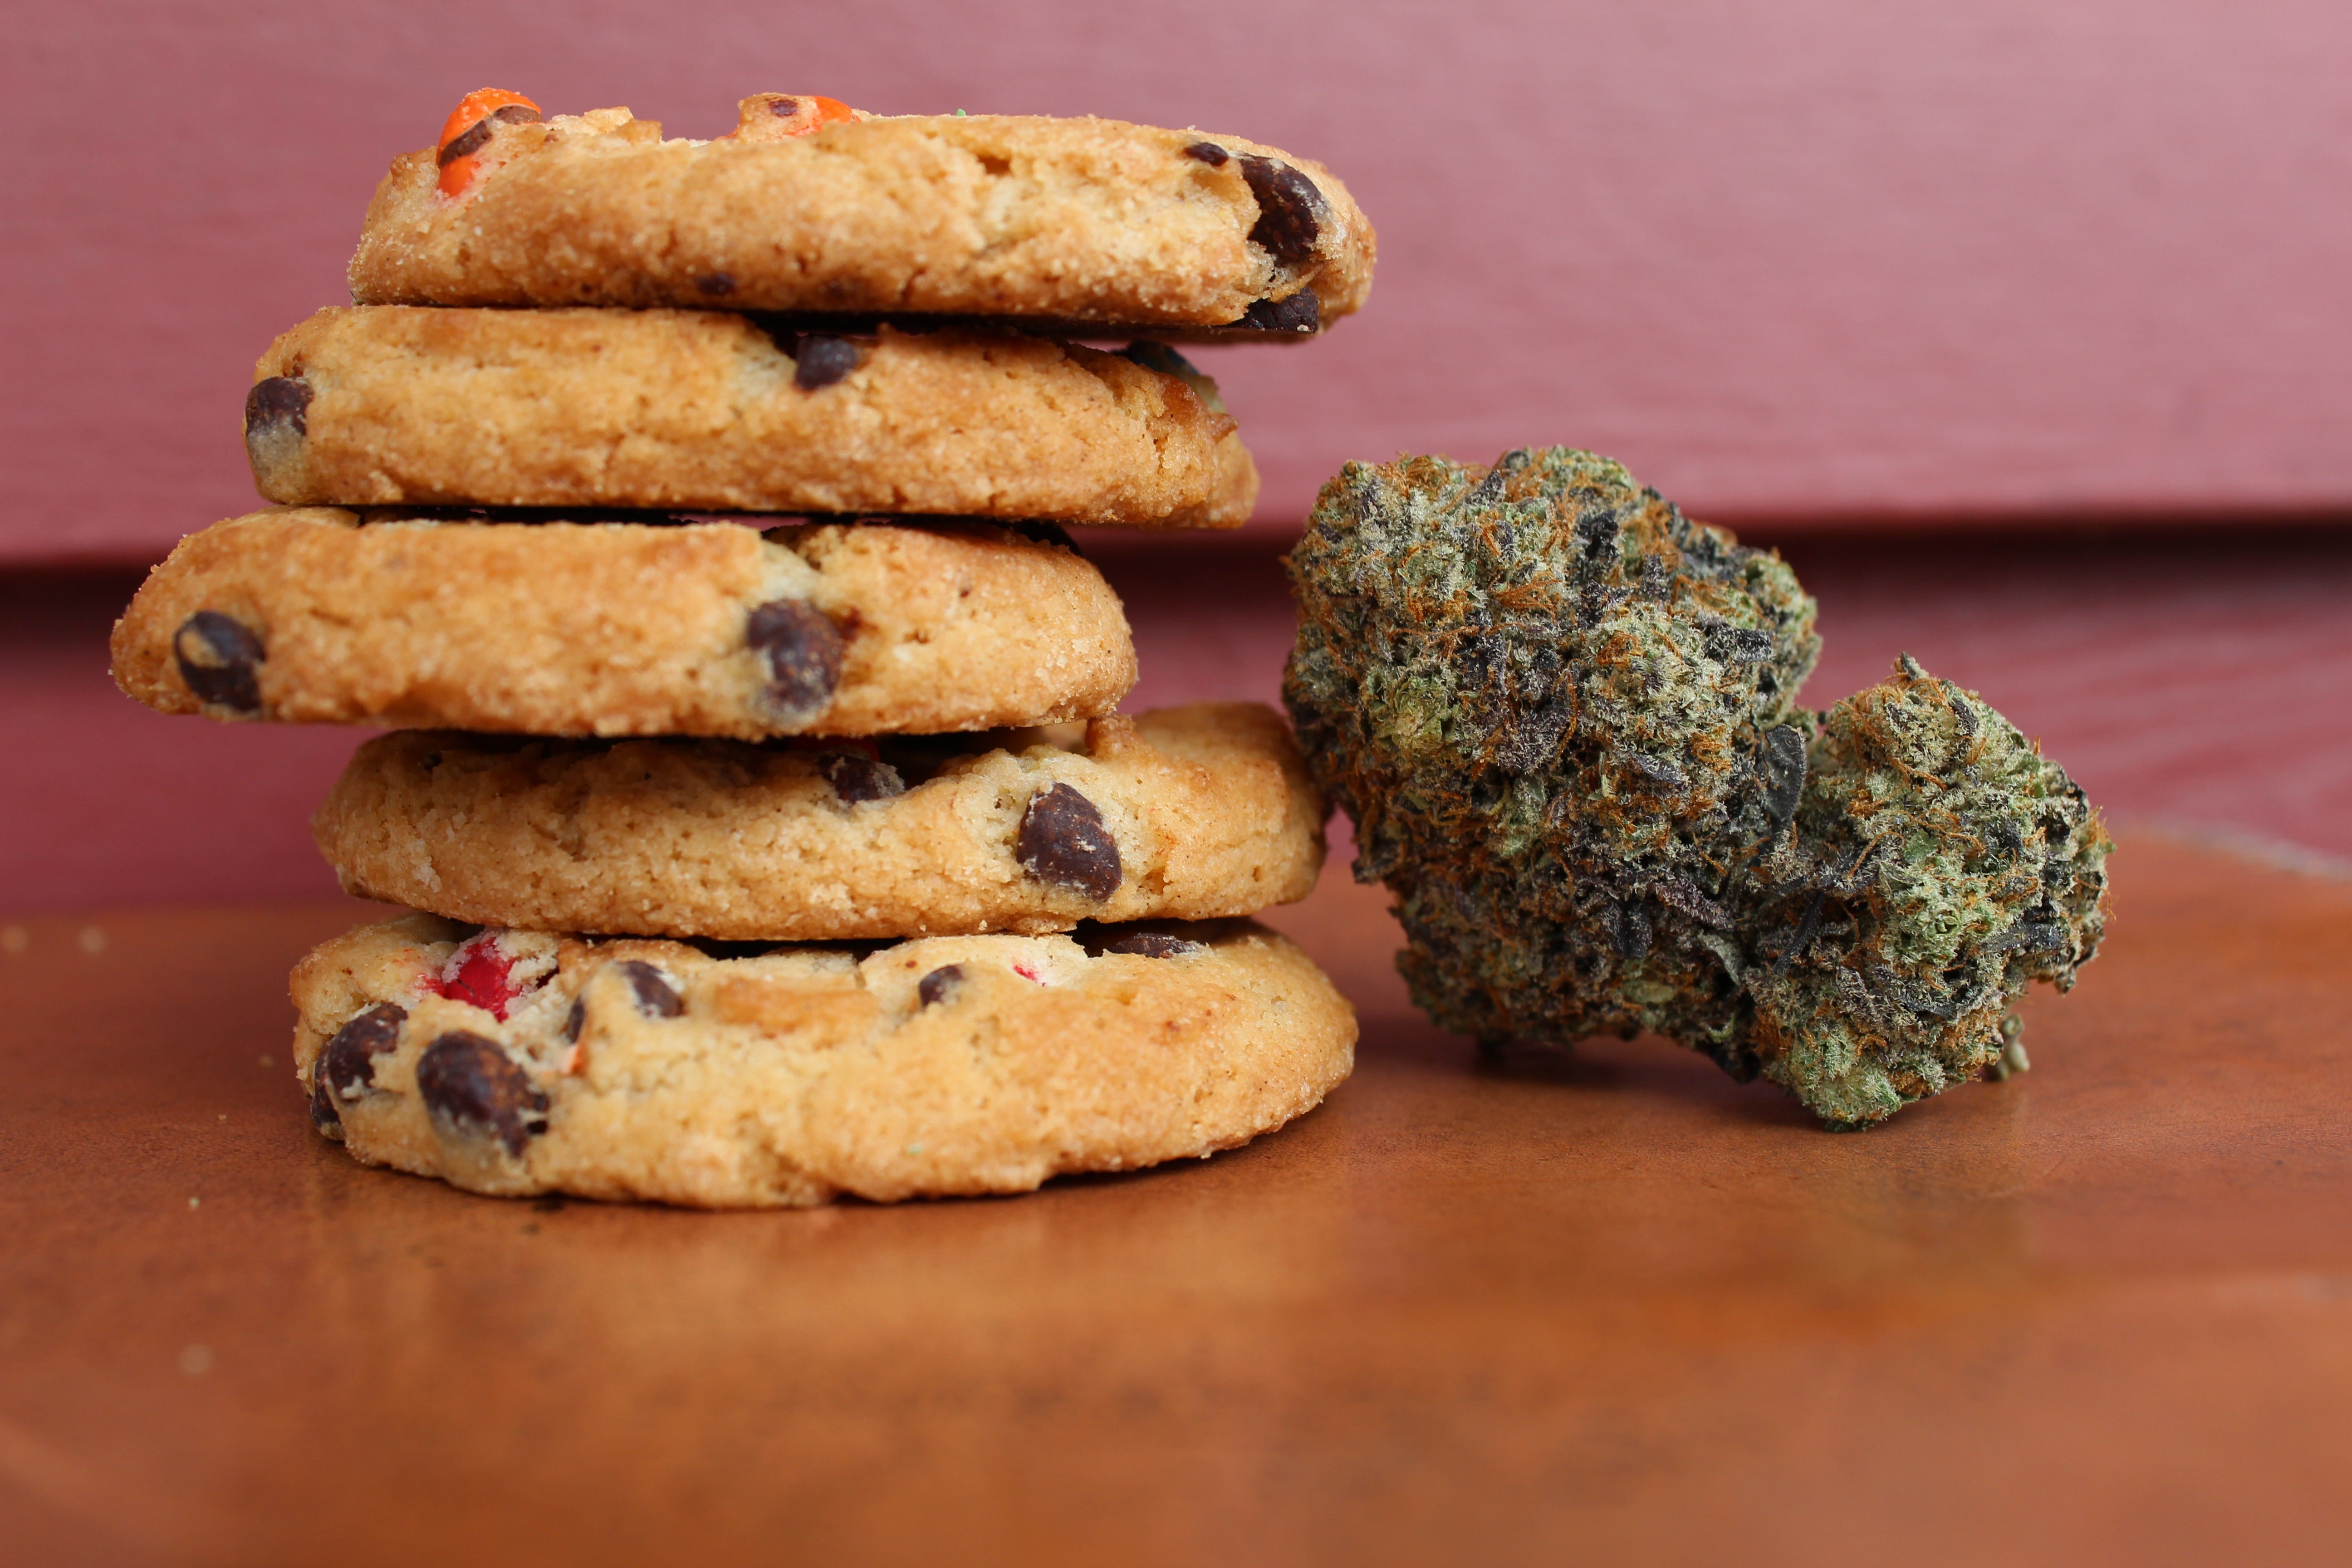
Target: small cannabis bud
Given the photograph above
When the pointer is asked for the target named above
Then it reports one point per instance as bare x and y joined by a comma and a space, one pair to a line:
1936, 864
1552, 704
1563, 718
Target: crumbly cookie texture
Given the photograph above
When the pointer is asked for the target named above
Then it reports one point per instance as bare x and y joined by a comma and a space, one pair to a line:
518, 1062
1187, 812
1081, 220
623, 628
705, 410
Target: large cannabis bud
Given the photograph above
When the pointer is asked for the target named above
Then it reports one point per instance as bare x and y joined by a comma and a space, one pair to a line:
1563, 718
1551, 703
1937, 863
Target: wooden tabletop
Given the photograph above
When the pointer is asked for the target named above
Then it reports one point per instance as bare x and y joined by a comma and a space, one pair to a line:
1607, 1306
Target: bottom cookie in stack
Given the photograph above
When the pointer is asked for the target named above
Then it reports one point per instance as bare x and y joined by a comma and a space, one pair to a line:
516, 1062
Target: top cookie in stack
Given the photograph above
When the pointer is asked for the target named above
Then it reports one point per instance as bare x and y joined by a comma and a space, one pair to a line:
864, 324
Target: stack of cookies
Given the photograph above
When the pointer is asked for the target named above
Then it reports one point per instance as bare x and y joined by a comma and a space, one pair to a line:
761, 859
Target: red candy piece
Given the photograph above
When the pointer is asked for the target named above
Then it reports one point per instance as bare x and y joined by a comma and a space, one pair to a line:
1026, 972
480, 973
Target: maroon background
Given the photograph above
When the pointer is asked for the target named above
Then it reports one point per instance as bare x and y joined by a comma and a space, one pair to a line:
1958, 304
1818, 257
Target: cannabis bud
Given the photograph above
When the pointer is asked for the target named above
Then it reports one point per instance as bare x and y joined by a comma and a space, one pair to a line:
1937, 863
1563, 718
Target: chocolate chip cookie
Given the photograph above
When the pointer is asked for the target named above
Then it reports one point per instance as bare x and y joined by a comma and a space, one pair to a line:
707, 411
1088, 220
1186, 813
319, 616
516, 1062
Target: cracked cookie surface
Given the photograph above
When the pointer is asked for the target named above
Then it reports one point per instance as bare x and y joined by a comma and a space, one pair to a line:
707, 411
1187, 812
515, 1062
1077, 220
314, 616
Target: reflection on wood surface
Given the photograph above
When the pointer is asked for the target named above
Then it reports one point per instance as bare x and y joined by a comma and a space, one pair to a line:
1605, 1302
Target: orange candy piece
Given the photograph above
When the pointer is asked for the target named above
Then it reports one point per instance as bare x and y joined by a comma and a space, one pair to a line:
777, 116
467, 130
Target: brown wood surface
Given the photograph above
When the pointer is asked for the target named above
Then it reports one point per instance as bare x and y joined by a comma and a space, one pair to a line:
1605, 1307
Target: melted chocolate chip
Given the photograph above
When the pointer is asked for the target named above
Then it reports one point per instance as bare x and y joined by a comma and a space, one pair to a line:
716, 283
804, 653
655, 997
279, 400
1289, 209
517, 114
784, 108
939, 983
1302, 313
1062, 841
347, 1066
324, 1114
216, 657
575, 1020
471, 1086
1208, 152
855, 779
822, 360
1154, 944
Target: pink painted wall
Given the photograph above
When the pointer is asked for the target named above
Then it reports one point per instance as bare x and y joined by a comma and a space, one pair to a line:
1812, 259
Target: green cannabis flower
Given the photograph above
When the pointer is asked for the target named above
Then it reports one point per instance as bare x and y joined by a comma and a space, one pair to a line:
1551, 703
1937, 864
1563, 719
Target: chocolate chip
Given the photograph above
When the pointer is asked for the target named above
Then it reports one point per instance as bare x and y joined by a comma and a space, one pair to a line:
469, 141
1062, 841
216, 657
939, 983
324, 1114
784, 108
804, 653
1302, 313
471, 1086
1208, 152
855, 778
822, 360
517, 114
655, 997
279, 400
1154, 944
347, 1064
575, 1020
1289, 209
716, 283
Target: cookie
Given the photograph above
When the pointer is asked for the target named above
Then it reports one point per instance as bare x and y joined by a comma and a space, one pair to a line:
1187, 812
1090, 221
707, 411
516, 1062
623, 628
